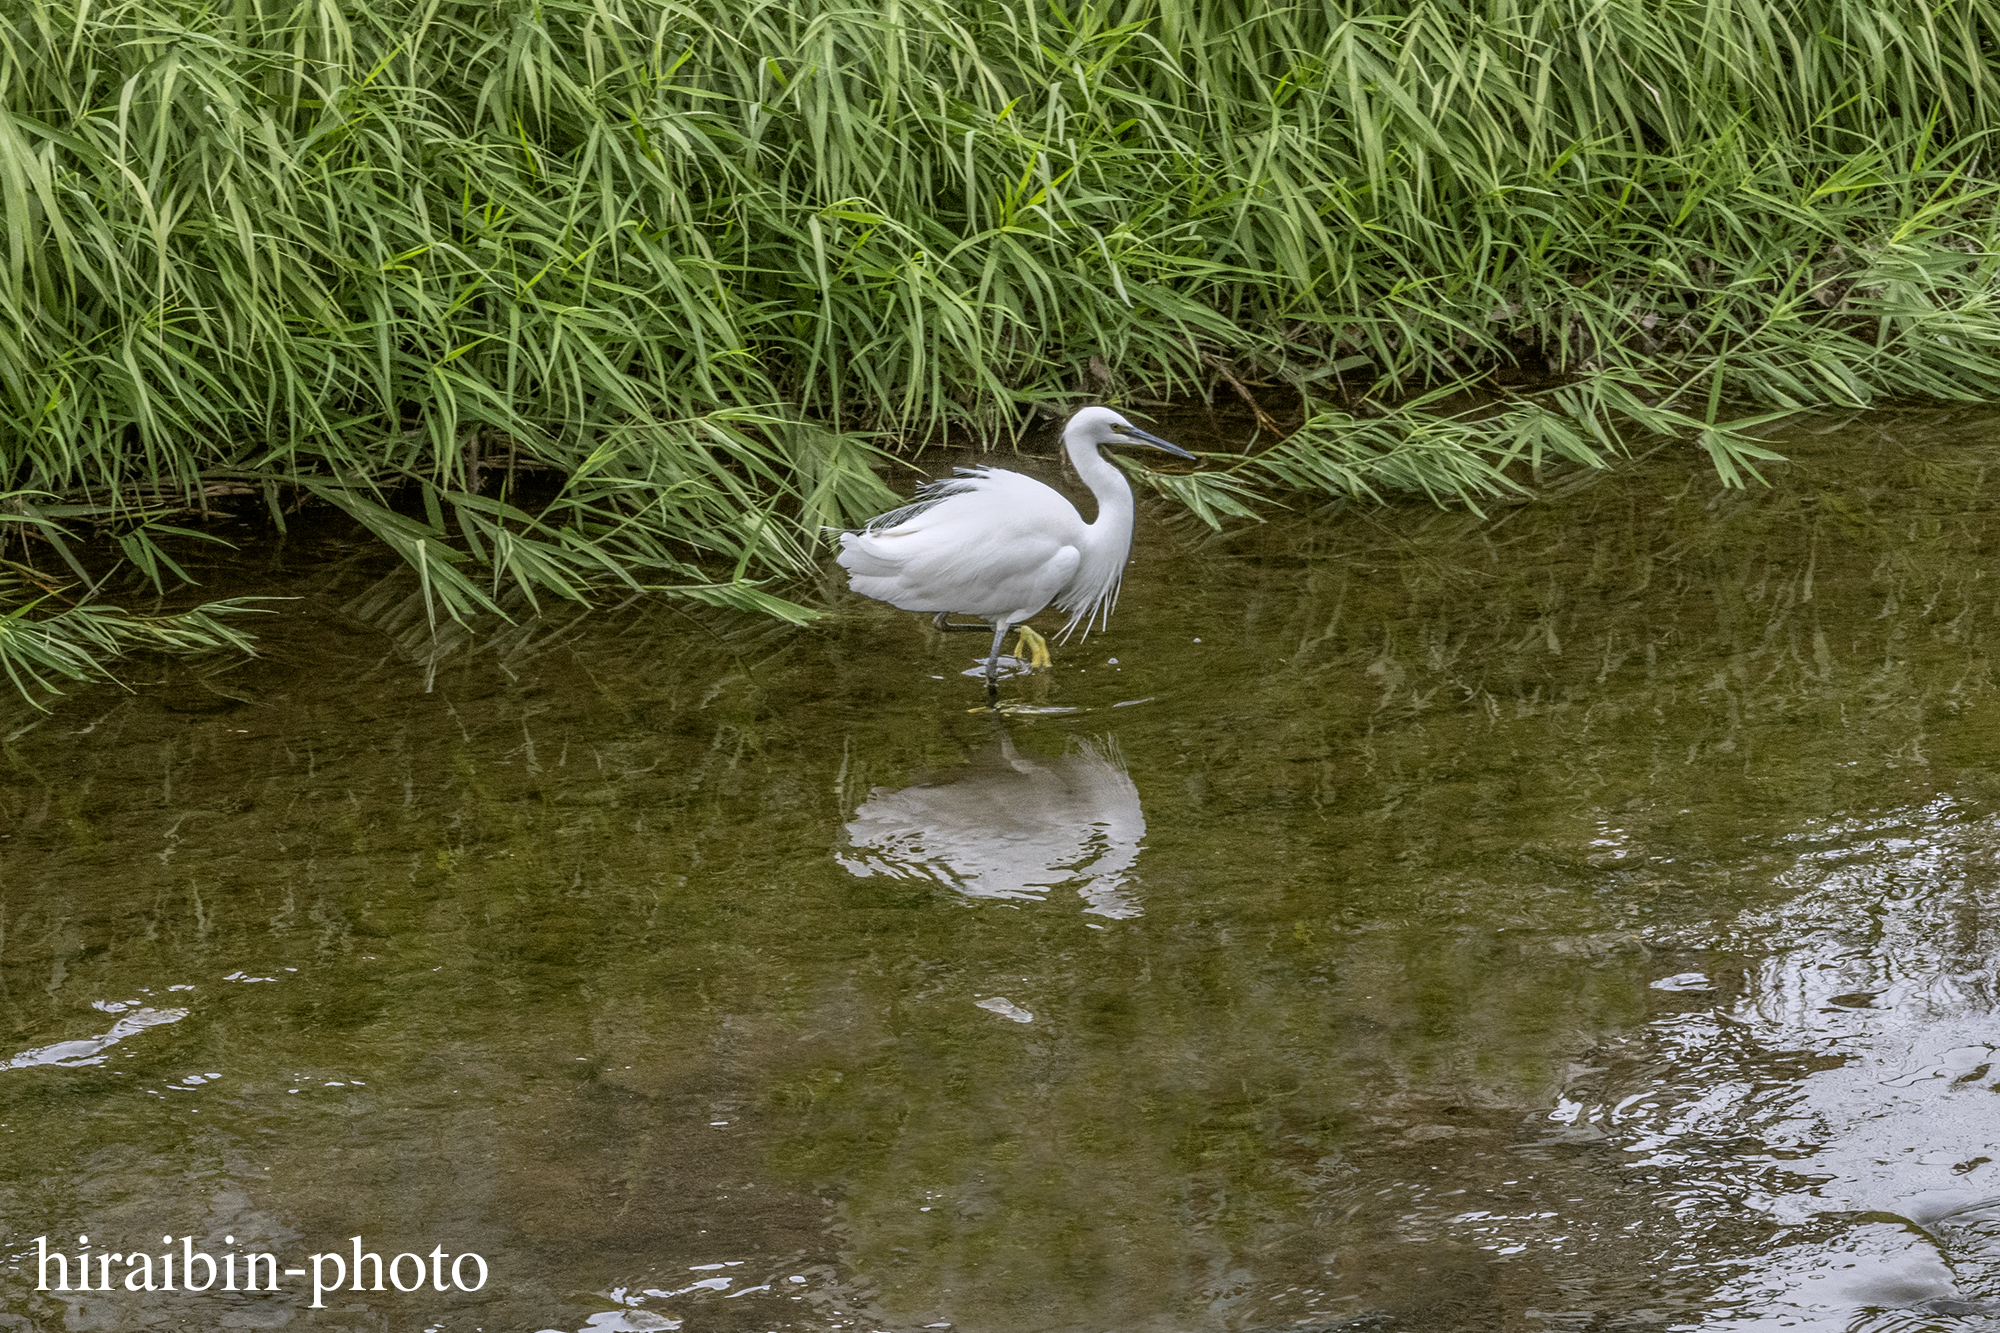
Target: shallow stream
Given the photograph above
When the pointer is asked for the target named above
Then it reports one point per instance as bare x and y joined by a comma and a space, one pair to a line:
1580, 918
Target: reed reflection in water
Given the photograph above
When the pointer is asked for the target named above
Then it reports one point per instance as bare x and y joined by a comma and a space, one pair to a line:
1008, 826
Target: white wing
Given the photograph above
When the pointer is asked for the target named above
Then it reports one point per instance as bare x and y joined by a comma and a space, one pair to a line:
986, 543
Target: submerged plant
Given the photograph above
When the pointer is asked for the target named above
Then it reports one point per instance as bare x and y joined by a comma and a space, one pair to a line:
49, 637
75, 643
561, 295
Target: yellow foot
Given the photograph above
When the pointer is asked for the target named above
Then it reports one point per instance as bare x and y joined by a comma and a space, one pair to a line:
1031, 648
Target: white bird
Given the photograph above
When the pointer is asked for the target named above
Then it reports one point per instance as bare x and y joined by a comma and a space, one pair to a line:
1001, 546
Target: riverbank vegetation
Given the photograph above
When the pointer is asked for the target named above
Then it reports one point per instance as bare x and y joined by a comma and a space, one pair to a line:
562, 296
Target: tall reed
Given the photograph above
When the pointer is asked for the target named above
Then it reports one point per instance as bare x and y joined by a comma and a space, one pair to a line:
691, 262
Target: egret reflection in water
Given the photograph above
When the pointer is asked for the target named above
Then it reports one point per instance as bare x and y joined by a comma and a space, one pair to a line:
1011, 827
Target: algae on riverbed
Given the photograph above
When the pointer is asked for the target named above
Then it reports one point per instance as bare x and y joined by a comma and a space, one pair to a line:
1580, 912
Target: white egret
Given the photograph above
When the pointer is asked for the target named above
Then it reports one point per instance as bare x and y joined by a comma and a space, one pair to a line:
1001, 546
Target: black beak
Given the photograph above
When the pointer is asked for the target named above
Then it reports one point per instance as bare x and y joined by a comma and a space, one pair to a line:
1138, 436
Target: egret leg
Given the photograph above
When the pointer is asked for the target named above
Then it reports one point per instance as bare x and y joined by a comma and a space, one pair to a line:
949, 628
1000, 629
1032, 648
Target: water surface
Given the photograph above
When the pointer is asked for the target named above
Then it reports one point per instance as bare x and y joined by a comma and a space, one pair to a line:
1577, 918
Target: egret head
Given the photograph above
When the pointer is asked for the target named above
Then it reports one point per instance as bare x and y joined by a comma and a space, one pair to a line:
1101, 425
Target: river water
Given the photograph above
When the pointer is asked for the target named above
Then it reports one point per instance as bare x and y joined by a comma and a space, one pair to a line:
1579, 918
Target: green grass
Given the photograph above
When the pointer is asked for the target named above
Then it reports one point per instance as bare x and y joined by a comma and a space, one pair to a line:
564, 296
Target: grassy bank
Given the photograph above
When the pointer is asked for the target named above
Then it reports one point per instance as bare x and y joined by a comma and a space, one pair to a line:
676, 270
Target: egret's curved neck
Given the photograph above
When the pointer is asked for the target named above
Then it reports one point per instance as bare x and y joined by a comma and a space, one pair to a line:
1108, 484
1094, 588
